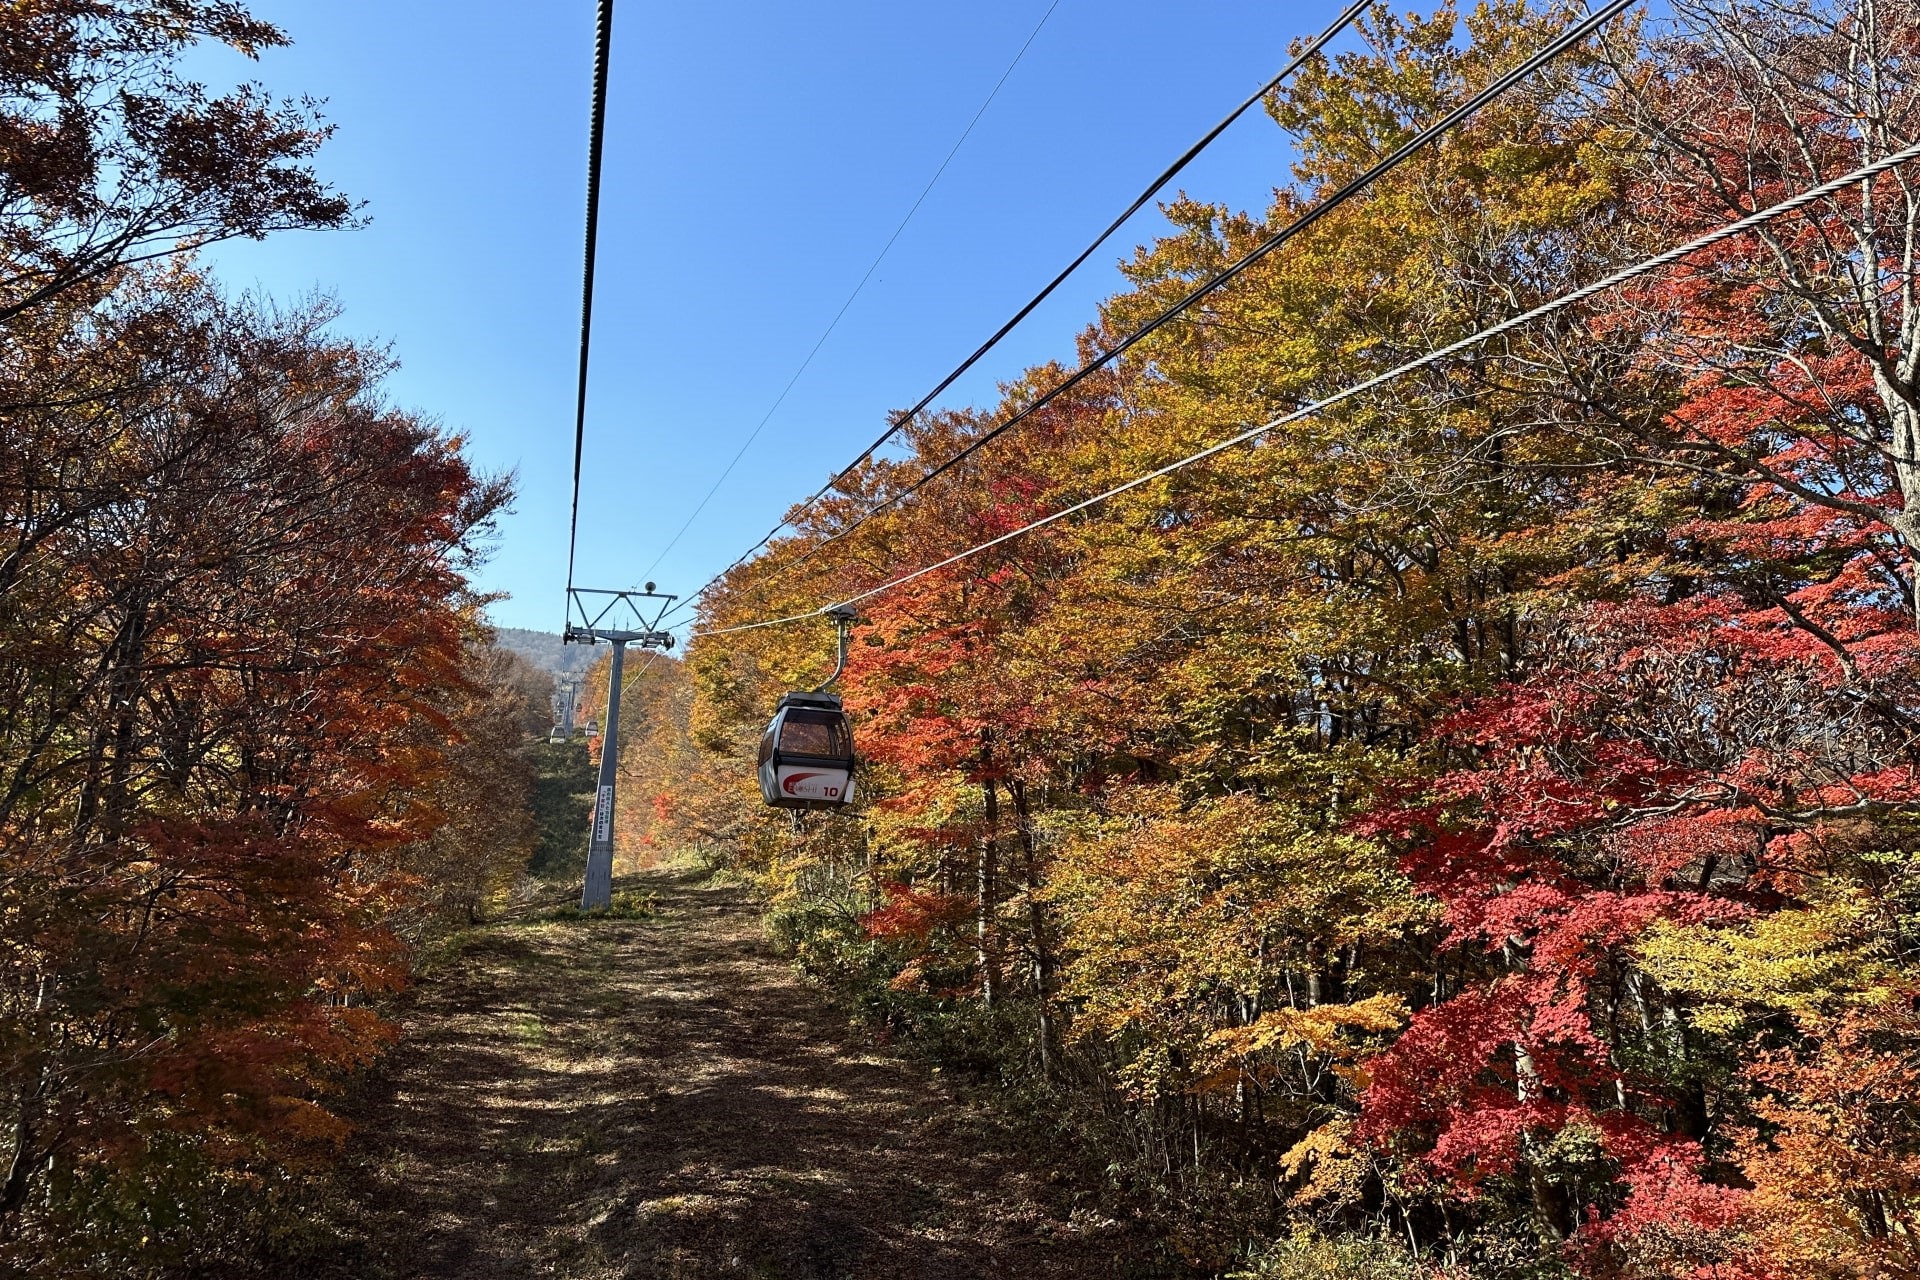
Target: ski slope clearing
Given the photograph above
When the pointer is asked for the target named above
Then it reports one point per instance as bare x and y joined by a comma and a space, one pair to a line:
662, 1097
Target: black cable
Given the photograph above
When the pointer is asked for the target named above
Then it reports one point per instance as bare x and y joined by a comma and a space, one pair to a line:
1167, 175
1345, 192
857, 288
602, 44
1564, 301
1339, 196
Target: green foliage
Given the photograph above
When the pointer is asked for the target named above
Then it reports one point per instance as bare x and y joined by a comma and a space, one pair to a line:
562, 799
1308, 1255
626, 904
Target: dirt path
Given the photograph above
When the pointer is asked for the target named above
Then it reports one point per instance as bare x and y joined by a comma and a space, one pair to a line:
662, 1098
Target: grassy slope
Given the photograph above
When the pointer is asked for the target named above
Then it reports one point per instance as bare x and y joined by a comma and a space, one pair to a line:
562, 800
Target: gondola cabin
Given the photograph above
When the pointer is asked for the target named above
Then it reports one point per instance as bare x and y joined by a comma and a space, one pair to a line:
806, 754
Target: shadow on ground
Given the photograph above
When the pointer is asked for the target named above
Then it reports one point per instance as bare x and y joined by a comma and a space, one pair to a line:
662, 1098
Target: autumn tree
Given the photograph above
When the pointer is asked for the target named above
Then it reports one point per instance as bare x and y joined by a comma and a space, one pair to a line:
1785, 360
1478, 811
109, 156
231, 631
480, 790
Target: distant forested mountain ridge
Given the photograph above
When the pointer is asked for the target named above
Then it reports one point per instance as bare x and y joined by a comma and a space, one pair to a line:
545, 650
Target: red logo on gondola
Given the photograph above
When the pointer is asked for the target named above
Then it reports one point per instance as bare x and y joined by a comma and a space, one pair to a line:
787, 784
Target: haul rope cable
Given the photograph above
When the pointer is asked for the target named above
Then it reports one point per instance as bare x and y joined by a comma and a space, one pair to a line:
1339, 196
1669, 257
857, 288
1306, 220
602, 44
1172, 171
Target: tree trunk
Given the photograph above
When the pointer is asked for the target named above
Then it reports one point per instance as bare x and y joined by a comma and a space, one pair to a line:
26, 1154
986, 889
1037, 926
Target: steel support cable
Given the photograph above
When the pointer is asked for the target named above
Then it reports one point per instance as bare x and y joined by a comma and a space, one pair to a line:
602, 46
1172, 171
872, 267
1625, 275
1347, 191
1339, 196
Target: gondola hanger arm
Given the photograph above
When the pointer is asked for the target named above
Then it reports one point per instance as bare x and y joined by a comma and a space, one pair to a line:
843, 617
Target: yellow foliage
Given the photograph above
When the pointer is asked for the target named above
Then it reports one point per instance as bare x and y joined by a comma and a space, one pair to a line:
1198, 934
1333, 1167
1318, 1029
1803, 962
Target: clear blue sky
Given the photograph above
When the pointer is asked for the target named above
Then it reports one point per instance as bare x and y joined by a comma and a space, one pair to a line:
758, 155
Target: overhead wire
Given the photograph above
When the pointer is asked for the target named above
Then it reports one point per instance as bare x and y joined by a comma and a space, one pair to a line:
602, 47
857, 289
1345, 192
1625, 275
1346, 18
